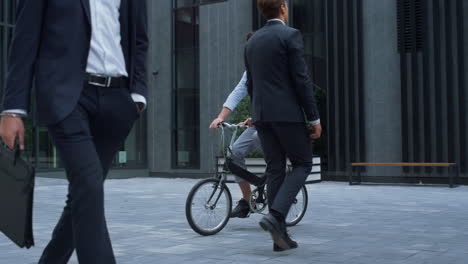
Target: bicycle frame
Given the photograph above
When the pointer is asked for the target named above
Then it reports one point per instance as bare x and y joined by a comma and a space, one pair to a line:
226, 154
213, 203
233, 137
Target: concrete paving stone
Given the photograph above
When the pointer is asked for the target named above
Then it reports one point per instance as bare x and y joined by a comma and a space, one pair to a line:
435, 258
343, 225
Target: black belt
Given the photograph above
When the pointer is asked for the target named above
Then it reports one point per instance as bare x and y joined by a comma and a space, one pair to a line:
106, 81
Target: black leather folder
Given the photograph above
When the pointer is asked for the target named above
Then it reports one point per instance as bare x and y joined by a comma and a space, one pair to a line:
16, 197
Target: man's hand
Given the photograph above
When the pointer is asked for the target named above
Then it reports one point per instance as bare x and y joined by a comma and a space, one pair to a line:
248, 122
223, 115
139, 107
214, 125
316, 131
10, 129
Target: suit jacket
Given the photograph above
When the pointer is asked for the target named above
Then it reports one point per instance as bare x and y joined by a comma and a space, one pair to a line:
277, 76
50, 49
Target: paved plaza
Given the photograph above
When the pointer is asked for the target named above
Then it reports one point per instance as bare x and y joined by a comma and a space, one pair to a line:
344, 224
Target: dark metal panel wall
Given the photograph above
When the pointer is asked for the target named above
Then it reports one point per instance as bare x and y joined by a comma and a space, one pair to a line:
346, 134
433, 85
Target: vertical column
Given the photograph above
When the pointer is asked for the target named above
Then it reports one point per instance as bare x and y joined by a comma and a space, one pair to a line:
223, 30
462, 14
159, 85
382, 94
345, 81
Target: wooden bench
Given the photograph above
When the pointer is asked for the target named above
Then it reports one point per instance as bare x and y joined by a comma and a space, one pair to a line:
451, 167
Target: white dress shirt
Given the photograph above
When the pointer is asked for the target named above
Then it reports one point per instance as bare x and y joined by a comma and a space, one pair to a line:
277, 19
237, 94
105, 54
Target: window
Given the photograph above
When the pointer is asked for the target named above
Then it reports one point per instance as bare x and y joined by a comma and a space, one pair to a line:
194, 3
6, 28
186, 116
309, 17
186, 84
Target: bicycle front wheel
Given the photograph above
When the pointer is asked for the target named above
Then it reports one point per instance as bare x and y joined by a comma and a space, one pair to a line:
208, 207
298, 208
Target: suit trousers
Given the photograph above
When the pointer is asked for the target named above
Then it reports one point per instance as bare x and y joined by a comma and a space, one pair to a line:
87, 141
281, 140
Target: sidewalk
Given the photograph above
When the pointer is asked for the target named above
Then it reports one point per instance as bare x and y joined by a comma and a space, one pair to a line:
344, 224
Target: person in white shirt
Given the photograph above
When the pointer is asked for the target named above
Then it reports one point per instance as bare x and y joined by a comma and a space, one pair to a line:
247, 142
87, 62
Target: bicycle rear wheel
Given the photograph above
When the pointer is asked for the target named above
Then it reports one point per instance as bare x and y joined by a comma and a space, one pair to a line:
298, 208
208, 207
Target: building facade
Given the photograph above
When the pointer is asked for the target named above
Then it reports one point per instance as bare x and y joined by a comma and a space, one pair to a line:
397, 78
391, 79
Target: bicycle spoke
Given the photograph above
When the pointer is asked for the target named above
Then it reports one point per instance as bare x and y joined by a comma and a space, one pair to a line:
297, 208
206, 214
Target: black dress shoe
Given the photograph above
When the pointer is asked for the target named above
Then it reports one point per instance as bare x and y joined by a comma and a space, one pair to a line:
277, 230
242, 210
292, 244
276, 248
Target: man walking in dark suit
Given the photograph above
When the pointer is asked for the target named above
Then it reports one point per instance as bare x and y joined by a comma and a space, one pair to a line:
283, 102
87, 60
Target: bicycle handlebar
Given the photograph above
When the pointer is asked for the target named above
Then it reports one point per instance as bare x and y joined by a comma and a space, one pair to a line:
224, 125
228, 125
